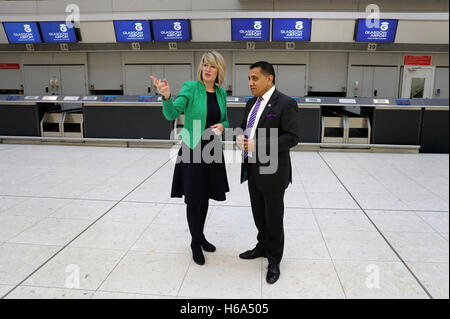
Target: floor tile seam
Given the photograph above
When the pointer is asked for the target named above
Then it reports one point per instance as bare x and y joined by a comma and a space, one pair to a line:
216, 254
61, 198
14, 205
82, 232
382, 235
55, 287
129, 249
31, 226
430, 225
9, 147
411, 232
408, 177
123, 169
133, 293
301, 181
370, 174
91, 291
329, 254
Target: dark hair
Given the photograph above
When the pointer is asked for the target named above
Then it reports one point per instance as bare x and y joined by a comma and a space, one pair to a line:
266, 68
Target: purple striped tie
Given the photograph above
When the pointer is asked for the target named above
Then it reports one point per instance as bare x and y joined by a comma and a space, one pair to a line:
251, 121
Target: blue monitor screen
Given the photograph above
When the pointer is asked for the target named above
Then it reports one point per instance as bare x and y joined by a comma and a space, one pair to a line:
291, 30
22, 32
250, 29
171, 30
367, 31
132, 31
57, 32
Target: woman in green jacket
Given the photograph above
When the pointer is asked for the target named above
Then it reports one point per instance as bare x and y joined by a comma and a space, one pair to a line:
200, 172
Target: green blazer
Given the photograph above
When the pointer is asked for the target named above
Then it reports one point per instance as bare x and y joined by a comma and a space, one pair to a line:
192, 101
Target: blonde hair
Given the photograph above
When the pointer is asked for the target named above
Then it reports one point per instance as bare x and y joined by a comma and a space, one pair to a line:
214, 58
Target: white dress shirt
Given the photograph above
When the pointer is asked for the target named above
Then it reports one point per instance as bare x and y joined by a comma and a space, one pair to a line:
266, 97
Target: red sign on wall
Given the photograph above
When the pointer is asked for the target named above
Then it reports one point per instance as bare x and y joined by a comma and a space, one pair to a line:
9, 66
417, 60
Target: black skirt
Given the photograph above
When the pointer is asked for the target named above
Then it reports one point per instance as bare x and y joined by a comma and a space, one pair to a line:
199, 181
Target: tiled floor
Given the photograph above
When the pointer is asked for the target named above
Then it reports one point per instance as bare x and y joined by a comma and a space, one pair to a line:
94, 222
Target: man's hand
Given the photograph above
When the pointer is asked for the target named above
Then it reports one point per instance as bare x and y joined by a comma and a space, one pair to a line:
249, 145
240, 141
218, 128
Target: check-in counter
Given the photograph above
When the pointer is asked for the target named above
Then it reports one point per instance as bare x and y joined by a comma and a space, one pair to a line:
310, 114
126, 117
435, 126
414, 123
394, 121
236, 110
19, 117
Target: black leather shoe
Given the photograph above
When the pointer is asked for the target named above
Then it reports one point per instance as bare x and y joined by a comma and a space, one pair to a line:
197, 254
273, 273
207, 246
252, 254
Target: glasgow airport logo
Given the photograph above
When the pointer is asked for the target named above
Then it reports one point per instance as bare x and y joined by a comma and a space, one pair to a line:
299, 25
177, 26
63, 27
139, 26
27, 28
384, 26
258, 25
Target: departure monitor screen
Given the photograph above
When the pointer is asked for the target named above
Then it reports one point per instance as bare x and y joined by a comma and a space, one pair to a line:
250, 29
22, 32
57, 32
291, 30
376, 31
171, 30
132, 31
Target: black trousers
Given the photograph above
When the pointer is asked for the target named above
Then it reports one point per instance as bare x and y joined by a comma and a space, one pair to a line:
268, 214
196, 217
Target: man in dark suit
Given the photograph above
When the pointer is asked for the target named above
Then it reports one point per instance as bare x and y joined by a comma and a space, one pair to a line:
269, 109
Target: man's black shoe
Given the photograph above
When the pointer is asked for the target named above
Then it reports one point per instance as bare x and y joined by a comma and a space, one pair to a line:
273, 273
252, 254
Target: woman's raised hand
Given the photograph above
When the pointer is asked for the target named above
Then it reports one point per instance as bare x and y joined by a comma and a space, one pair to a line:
162, 87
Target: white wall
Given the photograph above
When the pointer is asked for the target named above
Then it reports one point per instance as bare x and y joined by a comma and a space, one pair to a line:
328, 71
105, 70
432, 32
332, 30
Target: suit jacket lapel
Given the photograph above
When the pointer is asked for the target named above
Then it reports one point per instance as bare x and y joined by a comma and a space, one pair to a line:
269, 106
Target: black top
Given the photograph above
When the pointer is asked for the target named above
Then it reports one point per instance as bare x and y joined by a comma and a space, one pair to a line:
214, 113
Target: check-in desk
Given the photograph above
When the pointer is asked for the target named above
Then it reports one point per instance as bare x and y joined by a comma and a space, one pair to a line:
324, 121
394, 121
19, 117
435, 124
126, 117
236, 110
23, 115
